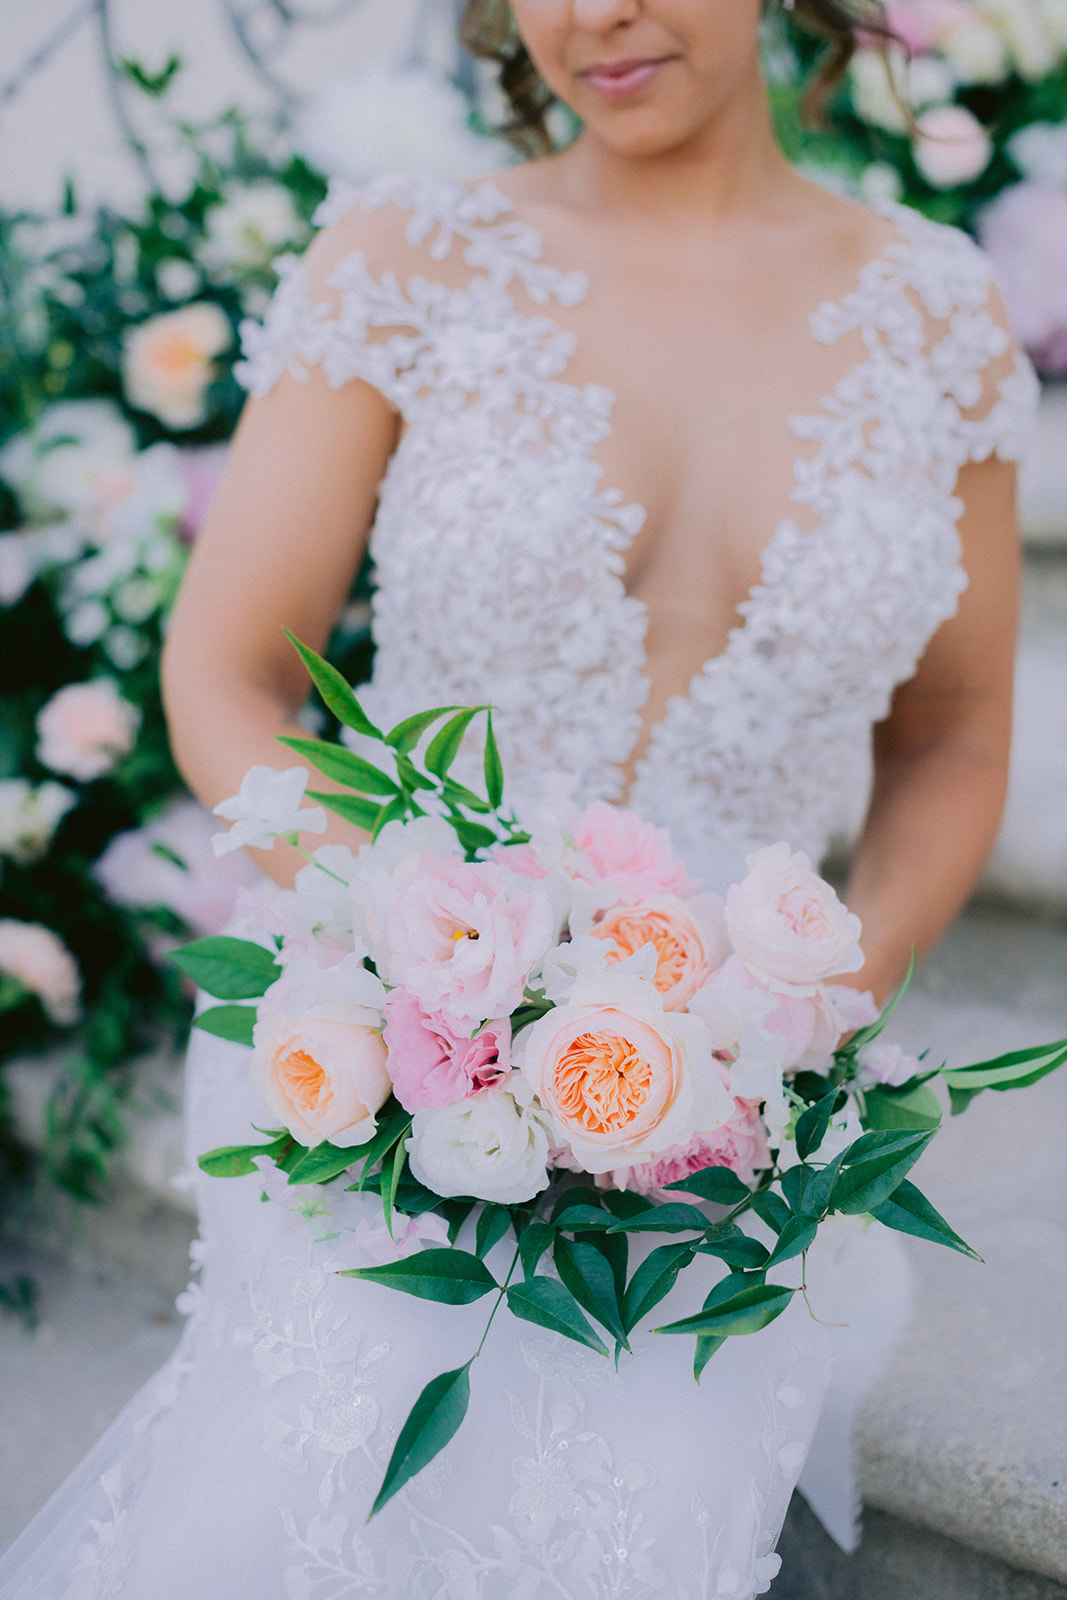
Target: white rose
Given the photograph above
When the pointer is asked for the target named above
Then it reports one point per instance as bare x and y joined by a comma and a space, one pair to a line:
39, 960
1031, 43
248, 227
493, 1145
168, 365
952, 146
85, 728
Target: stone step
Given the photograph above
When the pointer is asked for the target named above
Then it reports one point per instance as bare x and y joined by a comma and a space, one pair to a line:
962, 1450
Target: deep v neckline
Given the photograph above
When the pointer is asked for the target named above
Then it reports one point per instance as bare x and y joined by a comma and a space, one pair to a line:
889, 259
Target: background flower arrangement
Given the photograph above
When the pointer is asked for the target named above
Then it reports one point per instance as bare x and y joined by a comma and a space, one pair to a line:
118, 333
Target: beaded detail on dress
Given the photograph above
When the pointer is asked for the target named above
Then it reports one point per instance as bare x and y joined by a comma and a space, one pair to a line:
500, 556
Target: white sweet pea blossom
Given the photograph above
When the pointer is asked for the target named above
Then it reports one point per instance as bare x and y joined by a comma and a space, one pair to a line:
736, 1017
887, 1063
265, 808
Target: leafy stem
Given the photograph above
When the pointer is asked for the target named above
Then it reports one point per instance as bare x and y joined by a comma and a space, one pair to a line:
497, 1303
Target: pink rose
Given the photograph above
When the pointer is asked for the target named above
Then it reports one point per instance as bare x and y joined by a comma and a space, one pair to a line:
39, 960
787, 924
952, 147
85, 728
433, 1061
465, 937
688, 949
740, 1144
620, 846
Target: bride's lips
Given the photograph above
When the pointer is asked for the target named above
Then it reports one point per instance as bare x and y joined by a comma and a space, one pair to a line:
621, 80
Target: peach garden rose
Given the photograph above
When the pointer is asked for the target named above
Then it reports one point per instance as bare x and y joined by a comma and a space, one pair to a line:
688, 947
168, 362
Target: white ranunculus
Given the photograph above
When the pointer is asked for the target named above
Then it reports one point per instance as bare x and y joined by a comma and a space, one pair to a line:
267, 806
29, 817
38, 959
168, 362
952, 147
248, 227
493, 1145
394, 119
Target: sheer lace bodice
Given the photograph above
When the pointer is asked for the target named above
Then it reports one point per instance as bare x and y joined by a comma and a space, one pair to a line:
500, 554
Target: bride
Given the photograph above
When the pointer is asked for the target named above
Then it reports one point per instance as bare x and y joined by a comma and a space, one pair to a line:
696, 472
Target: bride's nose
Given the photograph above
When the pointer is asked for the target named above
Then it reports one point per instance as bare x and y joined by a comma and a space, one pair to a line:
598, 15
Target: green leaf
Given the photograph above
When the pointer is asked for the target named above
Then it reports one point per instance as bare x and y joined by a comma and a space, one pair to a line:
815, 1197
457, 794
361, 813
674, 1217
492, 766
731, 1244
707, 1344
575, 1196
406, 735
238, 1160
653, 1280
813, 1123
873, 1029
909, 1211
551, 1305
230, 969
471, 835
392, 811
718, 1184
625, 1203
393, 1124
432, 1422
409, 775
1017, 1070
391, 1176
576, 1218
492, 1225
869, 1177
453, 1277
588, 1276
445, 745
917, 1107
228, 1022
154, 83
324, 1162
772, 1209
344, 766
796, 1237
795, 1181
337, 694
534, 1241
455, 1213
747, 1311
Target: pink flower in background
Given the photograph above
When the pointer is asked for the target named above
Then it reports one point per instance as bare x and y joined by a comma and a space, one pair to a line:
787, 924
888, 1063
433, 1061
633, 854
201, 468
952, 147
1025, 232
920, 24
168, 362
464, 938
740, 1144
39, 960
85, 728
169, 862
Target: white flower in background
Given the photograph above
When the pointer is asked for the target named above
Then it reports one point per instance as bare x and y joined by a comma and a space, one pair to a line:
952, 146
178, 279
386, 119
1025, 231
29, 816
1040, 152
20, 562
249, 227
39, 960
85, 728
1054, 17
267, 807
493, 1145
976, 51
169, 862
873, 76
168, 362
1031, 43
86, 622
76, 458
881, 184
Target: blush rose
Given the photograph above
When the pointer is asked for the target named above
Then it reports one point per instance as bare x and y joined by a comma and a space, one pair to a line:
688, 948
788, 925
84, 729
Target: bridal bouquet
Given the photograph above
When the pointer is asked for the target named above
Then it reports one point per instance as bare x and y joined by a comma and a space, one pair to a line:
555, 1034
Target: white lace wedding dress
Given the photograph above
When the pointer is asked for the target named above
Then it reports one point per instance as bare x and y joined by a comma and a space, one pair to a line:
245, 1469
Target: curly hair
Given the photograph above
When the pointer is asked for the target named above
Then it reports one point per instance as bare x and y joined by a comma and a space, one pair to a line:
488, 31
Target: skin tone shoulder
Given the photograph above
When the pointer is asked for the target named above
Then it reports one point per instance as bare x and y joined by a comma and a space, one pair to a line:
707, 254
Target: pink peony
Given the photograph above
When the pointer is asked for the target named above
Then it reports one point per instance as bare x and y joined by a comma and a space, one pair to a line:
85, 728
1025, 232
740, 1144
39, 960
787, 924
433, 1061
620, 846
465, 937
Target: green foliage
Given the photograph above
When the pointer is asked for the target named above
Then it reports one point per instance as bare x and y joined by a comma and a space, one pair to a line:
432, 1422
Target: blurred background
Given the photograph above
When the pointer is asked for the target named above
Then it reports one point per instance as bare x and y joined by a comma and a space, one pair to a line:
154, 160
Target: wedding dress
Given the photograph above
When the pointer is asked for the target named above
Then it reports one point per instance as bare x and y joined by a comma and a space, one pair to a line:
247, 1466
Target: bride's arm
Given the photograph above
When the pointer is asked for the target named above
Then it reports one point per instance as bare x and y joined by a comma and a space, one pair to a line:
280, 549
941, 756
